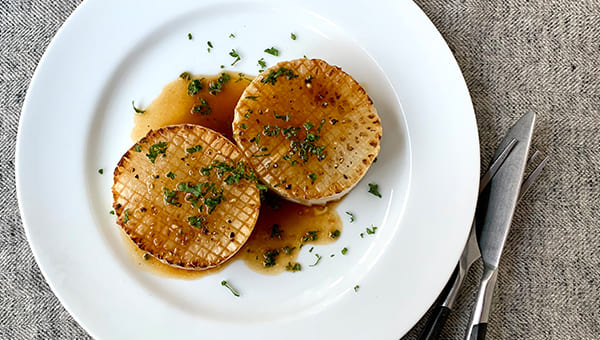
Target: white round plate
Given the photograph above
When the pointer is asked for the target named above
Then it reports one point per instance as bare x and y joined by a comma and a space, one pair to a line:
78, 116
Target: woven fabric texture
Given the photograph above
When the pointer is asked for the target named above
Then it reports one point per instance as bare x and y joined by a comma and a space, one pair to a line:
516, 56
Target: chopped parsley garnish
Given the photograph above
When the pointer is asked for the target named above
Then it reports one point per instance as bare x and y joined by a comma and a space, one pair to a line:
189, 36
311, 235
272, 51
112, 212
194, 87
203, 108
185, 76
271, 130
194, 149
126, 216
318, 259
211, 197
137, 148
101, 171
243, 126
287, 250
270, 257
356, 288
296, 267
171, 197
231, 289
215, 87
285, 118
140, 111
251, 97
293, 36
171, 175
210, 46
335, 234
273, 75
351, 216
262, 64
308, 125
311, 249
197, 221
146, 256
236, 55
313, 177
155, 150
362, 235
262, 155
232, 35
374, 189
241, 77
372, 230
344, 251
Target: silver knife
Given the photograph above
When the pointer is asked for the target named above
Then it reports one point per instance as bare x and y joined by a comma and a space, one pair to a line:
504, 193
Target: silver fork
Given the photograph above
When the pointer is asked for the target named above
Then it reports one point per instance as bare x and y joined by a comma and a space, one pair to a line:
471, 253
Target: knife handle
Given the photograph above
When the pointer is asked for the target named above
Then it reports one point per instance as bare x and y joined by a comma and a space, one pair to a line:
479, 319
435, 323
478, 332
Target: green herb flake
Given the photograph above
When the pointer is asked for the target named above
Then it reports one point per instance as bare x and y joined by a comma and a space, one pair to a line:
146, 257
271, 78
171, 175
311, 249
272, 51
231, 289
262, 64
243, 126
232, 35
296, 267
210, 46
194, 87
285, 118
351, 216
362, 235
204, 109
189, 36
194, 149
185, 76
126, 216
101, 171
235, 55
157, 149
374, 189
318, 259
293, 36
335, 234
287, 250
356, 288
251, 98
140, 111
137, 148
112, 212
372, 230
171, 197
313, 177
196, 221
270, 257
344, 251
311, 235
216, 87
308, 125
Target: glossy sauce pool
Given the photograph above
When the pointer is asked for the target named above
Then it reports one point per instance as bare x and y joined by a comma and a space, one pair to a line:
283, 229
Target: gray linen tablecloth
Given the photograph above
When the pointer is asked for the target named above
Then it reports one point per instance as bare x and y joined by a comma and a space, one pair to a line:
516, 56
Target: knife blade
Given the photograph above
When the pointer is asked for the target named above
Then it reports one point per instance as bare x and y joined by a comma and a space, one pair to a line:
504, 193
